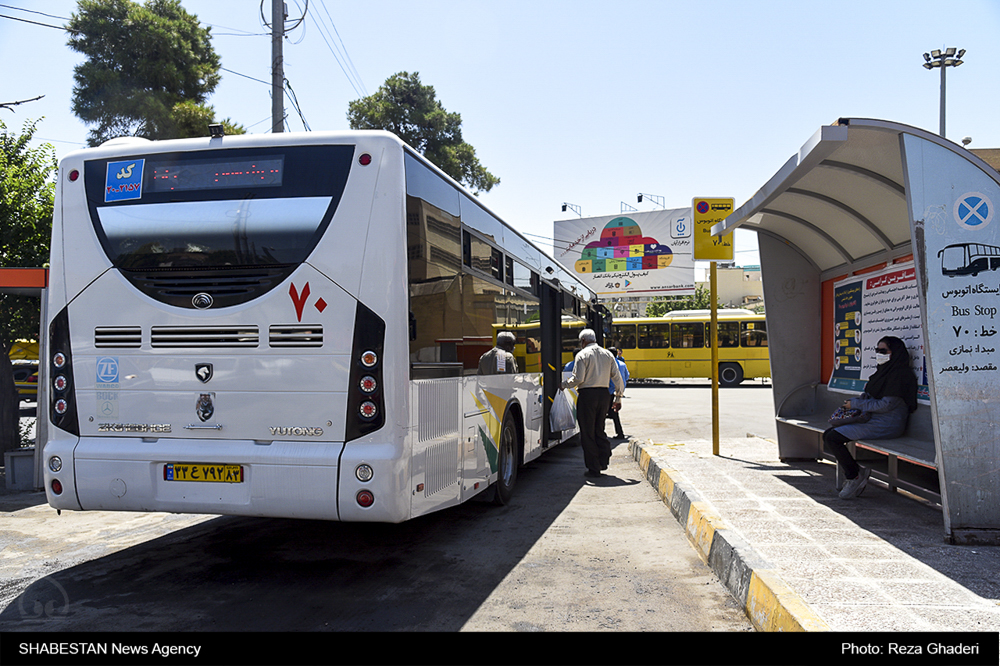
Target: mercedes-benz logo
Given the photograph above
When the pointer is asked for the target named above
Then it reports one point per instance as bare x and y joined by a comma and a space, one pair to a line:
202, 301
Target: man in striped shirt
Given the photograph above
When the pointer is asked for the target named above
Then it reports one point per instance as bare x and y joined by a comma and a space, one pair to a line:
594, 371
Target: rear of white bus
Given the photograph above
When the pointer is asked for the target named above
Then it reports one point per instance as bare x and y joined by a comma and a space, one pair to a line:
227, 328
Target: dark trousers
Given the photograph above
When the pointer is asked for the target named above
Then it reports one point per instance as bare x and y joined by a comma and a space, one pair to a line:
616, 419
591, 409
836, 443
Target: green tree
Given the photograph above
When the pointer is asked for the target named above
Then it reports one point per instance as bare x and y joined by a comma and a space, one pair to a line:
411, 111
701, 300
149, 69
27, 191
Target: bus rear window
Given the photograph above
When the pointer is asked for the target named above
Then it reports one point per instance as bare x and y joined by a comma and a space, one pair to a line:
216, 209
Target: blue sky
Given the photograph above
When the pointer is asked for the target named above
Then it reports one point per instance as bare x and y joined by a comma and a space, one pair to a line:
581, 101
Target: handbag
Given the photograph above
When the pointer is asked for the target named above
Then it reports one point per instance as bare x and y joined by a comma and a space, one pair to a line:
846, 415
561, 415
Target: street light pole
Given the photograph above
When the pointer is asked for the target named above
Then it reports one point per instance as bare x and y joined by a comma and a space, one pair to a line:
944, 60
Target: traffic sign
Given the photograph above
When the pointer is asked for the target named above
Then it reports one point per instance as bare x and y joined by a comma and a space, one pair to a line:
708, 212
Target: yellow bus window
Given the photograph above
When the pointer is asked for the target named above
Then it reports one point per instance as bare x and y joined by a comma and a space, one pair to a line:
654, 336
623, 336
687, 335
729, 334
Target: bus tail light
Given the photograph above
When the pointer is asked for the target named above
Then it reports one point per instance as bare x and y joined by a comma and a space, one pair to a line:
365, 398
62, 397
368, 410
56, 487
365, 498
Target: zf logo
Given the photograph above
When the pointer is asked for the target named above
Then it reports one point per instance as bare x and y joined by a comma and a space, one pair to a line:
107, 370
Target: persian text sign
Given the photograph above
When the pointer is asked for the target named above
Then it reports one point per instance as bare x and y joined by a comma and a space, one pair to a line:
708, 212
867, 308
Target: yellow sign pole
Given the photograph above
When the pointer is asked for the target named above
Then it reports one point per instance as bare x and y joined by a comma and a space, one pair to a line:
707, 212
713, 290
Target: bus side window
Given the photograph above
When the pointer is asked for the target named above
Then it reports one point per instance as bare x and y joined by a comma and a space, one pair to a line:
754, 334
623, 336
729, 334
654, 336
687, 335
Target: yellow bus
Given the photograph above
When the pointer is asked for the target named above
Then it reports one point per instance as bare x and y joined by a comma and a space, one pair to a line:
677, 345
527, 348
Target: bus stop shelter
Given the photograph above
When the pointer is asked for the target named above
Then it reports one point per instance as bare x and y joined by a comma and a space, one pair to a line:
876, 228
24, 467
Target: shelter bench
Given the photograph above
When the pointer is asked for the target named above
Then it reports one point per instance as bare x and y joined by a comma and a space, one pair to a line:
902, 463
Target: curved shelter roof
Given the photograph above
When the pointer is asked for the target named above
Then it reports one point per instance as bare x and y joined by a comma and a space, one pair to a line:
859, 195
841, 200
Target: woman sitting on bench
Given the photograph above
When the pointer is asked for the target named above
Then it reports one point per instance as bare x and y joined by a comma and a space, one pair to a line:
889, 398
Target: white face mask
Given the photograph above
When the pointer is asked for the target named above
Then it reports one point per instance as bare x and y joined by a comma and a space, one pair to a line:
881, 358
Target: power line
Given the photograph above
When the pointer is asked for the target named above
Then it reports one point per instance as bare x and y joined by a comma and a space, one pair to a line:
295, 104
31, 11
327, 36
266, 83
45, 25
344, 46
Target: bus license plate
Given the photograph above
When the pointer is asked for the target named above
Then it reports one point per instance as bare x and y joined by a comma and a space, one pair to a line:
209, 473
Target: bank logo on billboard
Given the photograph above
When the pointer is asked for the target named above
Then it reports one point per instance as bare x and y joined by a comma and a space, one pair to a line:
973, 211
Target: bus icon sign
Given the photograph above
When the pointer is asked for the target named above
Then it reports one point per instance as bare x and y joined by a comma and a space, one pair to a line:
973, 211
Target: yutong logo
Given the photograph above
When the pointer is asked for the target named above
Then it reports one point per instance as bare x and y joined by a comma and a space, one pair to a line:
298, 432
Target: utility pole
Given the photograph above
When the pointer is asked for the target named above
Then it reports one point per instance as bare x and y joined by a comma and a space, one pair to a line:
278, 16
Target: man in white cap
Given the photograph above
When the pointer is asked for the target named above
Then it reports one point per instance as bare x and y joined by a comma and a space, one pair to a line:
594, 370
500, 359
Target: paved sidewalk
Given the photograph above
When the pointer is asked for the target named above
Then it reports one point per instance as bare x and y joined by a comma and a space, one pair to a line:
800, 558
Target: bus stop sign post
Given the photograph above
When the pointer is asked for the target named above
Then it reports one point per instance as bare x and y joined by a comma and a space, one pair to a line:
709, 211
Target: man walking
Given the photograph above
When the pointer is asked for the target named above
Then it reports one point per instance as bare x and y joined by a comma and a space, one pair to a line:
613, 413
500, 359
594, 371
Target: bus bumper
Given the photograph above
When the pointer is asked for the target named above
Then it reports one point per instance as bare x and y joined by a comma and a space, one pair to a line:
276, 479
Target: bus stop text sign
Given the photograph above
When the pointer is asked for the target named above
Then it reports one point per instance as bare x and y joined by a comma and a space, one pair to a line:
708, 212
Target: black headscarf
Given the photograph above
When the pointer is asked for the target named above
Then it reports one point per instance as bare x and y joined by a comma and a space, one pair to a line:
894, 377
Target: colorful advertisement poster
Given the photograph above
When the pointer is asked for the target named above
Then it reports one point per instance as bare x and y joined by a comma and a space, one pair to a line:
867, 308
630, 254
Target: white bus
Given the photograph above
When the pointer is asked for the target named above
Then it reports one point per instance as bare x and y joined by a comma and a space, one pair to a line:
289, 325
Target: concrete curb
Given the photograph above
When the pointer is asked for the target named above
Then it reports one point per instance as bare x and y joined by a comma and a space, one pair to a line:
769, 603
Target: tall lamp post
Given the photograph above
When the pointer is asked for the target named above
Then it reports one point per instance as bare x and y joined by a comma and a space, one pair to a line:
943, 60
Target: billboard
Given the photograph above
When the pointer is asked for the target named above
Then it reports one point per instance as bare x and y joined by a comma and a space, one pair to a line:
866, 308
630, 254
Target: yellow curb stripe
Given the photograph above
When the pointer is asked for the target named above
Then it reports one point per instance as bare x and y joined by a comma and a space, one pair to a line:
644, 459
665, 487
770, 604
701, 526
773, 606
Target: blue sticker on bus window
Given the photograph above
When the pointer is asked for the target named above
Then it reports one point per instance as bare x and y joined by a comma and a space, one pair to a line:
124, 181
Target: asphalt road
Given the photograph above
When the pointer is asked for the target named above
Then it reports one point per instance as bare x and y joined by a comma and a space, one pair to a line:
566, 555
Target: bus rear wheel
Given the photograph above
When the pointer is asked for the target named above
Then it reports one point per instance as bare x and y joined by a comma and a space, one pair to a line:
507, 461
730, 374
